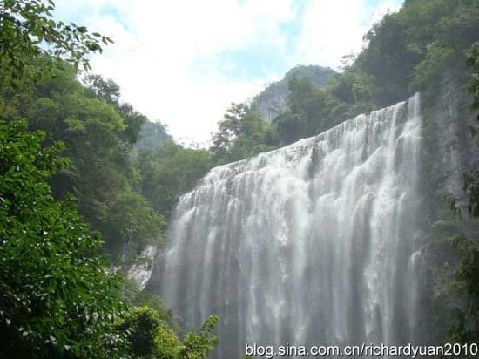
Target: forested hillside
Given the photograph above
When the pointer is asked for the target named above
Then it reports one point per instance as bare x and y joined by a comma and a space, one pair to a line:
87, 182
68, 184
273, 99
407, 51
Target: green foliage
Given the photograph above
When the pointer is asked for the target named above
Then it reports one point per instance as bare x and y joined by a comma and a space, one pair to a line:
57, 296
471, 185
170, 171
134, 122
472, 59
55, 293
464, 284
141, 325
456, 293
145, 298
353, 87
406, 48
243, 133
109, 92
427, 74
471, 179
131, 224
52, 279
98, 134
148, 299
314, 109
465, 326
382, 74
106, 90
271, 102
152, 337
199, 344
29, 33
407, 51
290, 127
304, 107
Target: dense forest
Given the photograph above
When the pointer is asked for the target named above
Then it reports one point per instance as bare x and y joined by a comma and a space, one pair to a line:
87, 182
73, 192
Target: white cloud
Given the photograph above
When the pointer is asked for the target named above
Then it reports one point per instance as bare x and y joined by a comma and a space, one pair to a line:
385, 7
159, 44
333, 29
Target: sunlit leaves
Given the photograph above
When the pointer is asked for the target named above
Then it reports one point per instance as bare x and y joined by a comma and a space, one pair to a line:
30, 34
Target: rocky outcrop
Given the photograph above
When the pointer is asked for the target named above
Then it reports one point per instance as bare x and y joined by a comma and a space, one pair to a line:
274, 99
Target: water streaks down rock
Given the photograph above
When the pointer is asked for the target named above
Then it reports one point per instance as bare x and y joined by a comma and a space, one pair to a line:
312, 243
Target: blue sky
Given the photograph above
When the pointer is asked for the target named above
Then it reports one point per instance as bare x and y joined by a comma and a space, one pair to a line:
184, 62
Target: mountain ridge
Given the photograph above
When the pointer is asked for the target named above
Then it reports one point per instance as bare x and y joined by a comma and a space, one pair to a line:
273, 100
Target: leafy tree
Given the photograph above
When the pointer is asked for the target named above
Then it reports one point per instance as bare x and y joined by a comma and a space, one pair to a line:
272, 101
109, 91
170, 171
151, 337
290, 127
92, 131
134, 122
130, 224
135, 297
37, 84
243, 133
98, 136
199, 344
31, 43
56, 297
314, 109
427, 74
106, 90
142, 324
406, 51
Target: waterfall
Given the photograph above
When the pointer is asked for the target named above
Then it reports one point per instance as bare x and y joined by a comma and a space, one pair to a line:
311, 243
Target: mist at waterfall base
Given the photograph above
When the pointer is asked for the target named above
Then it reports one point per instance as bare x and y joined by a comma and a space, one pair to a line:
314, 243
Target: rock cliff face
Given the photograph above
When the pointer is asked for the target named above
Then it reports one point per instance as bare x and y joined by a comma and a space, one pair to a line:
450, 148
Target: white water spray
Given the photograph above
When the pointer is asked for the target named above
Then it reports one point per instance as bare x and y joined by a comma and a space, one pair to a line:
311, 243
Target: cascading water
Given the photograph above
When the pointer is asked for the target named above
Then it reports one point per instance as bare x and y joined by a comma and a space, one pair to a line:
311, 243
